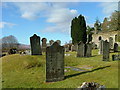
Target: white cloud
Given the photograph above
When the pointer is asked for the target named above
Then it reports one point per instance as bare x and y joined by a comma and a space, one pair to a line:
56, 13
5, 24
109, 7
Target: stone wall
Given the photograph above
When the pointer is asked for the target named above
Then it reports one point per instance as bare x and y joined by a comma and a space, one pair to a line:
104, 36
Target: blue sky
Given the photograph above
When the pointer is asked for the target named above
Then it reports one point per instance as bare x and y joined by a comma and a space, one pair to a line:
49, 20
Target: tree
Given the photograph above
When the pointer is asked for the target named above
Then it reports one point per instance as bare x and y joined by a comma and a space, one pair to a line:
90, 31
9, 42
78, 30
97, 26
105, 25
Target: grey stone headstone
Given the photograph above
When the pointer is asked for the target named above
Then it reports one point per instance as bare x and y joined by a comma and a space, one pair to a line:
81, 50
44, 44
115, 47
67, 48
35, 45
88, 50
59, 42
51, 42
54, 63
74, 47
101, 47
105, 55
111, 42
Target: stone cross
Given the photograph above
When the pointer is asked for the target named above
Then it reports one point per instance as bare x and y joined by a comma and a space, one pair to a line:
81, 50
44, 45
35, 45
54, 63
106, 48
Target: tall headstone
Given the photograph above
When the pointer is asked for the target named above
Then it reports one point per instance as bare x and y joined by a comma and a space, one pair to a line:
54, 63
59, 42
35, 45
106, 47
81, 50
101, 47
111, 42
44, 45
88, 50
51, 42
115, 47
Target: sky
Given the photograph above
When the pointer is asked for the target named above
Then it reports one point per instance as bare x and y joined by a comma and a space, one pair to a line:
51, 20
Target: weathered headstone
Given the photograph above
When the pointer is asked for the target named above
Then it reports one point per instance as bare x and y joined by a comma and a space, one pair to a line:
111, 42
54, 63
81, 50
88, 50
35, 45
51, 42
105, 53
44, 45
59, 42
101, 47
74, 47
67, 48
115, 47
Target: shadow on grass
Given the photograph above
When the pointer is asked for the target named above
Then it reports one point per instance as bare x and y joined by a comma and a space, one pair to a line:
76, 74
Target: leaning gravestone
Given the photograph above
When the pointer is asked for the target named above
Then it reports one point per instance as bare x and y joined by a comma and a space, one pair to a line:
54, 63
105, 51
101, 47
51, 42
35, 45
115, 47
81, 50
88, 50
111, 42
44, 45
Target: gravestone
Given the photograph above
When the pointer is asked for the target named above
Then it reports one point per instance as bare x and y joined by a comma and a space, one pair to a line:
105, 55
94, 46
111, 42
59, 42
35, 45
81, 50
101, 47
115, 57
54, 63
51, 42
67, 48
115, 47
88, 50
44, 45
74, 47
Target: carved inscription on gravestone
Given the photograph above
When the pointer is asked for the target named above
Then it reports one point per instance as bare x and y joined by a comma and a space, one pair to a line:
35, 45
54, 63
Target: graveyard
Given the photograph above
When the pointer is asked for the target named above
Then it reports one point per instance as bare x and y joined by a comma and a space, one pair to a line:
65, 49
28, 71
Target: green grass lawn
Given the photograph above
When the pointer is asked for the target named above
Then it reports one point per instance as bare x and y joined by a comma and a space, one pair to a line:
29, 71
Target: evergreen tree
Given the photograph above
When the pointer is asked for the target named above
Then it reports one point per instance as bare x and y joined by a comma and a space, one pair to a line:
78, 30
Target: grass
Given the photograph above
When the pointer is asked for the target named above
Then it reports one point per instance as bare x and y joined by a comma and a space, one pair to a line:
29, 71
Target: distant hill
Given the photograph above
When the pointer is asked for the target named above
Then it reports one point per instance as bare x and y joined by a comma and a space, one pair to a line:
24, 46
